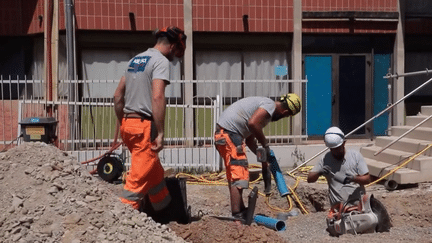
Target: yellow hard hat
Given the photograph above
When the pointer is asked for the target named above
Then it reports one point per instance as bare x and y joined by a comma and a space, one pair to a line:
293, 102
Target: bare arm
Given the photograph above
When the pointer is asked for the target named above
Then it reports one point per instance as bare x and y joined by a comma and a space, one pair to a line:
158, 110
256, 124
313, 176
119, 102
362, 179
250, 142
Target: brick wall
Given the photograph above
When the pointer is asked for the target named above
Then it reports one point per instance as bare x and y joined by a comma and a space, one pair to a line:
20, 17
350, 26
114, 14
227, 15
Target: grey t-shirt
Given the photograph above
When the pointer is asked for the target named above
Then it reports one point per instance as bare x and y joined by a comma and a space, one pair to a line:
235, 118
141, 71
353, 164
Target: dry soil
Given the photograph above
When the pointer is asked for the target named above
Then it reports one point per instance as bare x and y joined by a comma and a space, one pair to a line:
48, 197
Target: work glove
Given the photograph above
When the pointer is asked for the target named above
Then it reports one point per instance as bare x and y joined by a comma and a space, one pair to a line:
325, 170
342, 177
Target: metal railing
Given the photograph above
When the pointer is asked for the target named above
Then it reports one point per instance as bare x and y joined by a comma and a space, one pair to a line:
87, 123
380, 113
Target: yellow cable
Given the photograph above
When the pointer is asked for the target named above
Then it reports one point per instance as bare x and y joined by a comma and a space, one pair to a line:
299, 202
267, 202
219, 179
401, 165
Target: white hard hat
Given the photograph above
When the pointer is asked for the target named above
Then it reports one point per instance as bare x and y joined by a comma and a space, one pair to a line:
334, 137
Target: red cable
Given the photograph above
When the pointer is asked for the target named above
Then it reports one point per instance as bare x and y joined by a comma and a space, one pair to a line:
114, 146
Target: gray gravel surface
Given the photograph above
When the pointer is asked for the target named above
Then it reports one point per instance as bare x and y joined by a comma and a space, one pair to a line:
410, 210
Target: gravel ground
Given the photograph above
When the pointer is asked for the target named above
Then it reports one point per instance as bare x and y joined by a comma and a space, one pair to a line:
410, 210
48, 197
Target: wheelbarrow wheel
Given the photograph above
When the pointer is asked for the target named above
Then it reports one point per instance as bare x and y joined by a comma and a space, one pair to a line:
110, 168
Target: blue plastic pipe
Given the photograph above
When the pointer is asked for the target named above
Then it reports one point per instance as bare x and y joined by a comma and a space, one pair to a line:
277, 174
271, 223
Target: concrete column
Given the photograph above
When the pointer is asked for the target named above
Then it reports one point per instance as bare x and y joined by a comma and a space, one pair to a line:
297, 65
188, 72
398, 113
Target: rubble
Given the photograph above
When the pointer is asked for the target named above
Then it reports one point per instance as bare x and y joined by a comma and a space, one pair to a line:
47, 196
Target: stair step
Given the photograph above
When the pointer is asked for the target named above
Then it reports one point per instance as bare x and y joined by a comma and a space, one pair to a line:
414, 120
395, 157
401, 176
418, 169
426, 110
422, 133
409, 145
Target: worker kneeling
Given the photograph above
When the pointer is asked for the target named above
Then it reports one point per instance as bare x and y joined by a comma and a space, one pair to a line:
352, 211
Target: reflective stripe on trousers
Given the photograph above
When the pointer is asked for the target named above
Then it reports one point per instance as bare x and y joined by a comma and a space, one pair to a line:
146, 174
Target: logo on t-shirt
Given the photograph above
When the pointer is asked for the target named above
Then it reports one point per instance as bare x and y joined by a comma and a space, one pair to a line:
138, 64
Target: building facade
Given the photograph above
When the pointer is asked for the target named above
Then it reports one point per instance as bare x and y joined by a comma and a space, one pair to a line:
343, 48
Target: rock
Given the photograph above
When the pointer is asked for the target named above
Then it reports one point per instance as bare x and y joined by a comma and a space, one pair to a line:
17, 202
92, 198
73, 218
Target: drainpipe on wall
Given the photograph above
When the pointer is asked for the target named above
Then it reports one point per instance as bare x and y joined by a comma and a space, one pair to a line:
51, 53
70, 56
69, 10
48, 11
54, 51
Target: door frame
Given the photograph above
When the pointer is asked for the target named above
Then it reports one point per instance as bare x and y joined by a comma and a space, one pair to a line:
335, 89
368, 92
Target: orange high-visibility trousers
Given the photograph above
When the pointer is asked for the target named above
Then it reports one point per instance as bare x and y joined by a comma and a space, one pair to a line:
232, 149
146, 174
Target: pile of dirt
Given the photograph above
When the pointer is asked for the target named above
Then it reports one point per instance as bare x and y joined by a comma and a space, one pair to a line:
47, 196
209, 229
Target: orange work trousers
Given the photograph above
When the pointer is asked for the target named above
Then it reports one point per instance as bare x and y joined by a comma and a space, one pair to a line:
232, 149
146, 174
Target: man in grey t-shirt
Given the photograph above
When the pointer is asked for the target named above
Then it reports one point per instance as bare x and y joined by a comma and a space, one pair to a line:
239, 125
139, 103
345, 170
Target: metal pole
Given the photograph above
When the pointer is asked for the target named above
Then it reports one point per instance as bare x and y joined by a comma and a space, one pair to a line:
371, 119
427, 71
403, 135
70, 56
69, 39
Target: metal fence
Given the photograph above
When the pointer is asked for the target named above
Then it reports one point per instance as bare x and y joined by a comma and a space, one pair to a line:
87, 125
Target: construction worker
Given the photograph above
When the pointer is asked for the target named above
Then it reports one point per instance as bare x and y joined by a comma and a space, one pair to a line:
239, 125
345, 170
139, 103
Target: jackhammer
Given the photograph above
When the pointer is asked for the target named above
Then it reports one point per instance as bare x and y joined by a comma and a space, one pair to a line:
263, 157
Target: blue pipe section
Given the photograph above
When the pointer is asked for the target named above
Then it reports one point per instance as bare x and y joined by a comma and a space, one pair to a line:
271, 223
277, 174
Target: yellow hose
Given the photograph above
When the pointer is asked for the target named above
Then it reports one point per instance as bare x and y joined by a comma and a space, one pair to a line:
219, 179
401, 165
